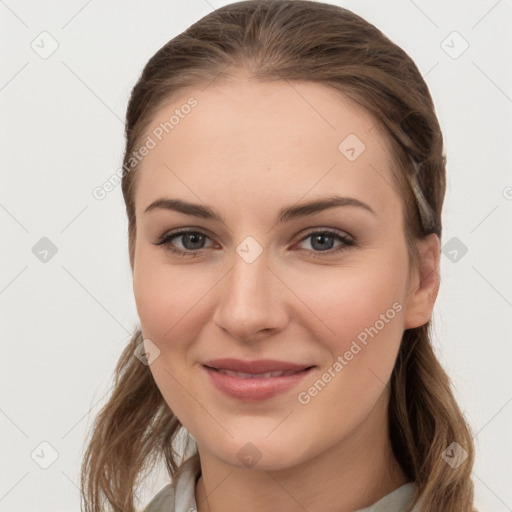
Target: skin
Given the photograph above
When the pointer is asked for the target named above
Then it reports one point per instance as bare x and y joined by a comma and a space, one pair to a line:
247, 150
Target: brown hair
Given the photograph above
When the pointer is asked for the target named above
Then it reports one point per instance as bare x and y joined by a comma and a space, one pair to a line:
296, 40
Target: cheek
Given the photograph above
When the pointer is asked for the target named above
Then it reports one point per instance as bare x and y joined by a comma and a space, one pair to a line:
343, 302
165, 295
356, 313
157, 306
164, 298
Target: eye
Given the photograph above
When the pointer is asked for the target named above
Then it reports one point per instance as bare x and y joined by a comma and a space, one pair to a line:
322, 241
192, 241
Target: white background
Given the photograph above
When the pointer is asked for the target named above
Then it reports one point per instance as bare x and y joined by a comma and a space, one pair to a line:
64, 322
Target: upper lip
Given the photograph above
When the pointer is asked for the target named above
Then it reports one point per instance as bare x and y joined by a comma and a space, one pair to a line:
256, 366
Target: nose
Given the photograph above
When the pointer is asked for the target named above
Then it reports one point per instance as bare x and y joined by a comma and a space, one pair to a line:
251, 304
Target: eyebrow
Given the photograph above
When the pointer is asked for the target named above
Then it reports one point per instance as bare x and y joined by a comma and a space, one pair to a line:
288, 213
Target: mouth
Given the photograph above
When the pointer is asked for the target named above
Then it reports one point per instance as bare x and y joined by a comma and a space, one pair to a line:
244, 375
254, 380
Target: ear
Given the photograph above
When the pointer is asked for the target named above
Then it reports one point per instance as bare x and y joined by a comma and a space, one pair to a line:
424, 283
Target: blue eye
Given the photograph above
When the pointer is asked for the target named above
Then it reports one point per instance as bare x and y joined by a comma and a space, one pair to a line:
193, 242
190, 238
324, 240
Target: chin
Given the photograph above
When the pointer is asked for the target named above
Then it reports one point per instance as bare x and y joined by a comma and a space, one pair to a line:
258, 453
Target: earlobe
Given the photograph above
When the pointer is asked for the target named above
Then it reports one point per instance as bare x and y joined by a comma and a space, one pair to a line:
424, 284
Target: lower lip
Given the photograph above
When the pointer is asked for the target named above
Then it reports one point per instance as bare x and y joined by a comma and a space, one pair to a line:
254, 389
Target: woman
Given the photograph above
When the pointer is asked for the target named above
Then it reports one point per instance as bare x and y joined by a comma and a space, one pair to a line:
284, 180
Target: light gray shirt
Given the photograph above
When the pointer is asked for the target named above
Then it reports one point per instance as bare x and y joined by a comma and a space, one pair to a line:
179, 495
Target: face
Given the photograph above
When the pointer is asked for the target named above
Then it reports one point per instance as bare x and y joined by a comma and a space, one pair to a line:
325, 289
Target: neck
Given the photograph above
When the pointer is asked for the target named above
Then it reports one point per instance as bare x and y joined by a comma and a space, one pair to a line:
351, 475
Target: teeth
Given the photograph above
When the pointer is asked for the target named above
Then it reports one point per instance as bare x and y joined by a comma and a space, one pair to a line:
266, 375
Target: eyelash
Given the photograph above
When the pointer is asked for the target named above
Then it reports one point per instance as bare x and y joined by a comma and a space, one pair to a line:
348, 242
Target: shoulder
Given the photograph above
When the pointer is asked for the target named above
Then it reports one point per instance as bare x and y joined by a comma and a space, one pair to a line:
179, 494
162, 501
398, 500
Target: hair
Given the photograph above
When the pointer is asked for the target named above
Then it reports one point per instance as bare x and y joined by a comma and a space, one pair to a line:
295, 40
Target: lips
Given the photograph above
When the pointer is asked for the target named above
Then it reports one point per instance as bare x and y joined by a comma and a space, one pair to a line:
254, 380
260, 366
245, 375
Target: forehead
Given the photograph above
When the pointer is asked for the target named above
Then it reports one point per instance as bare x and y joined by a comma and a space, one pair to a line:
265, 140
